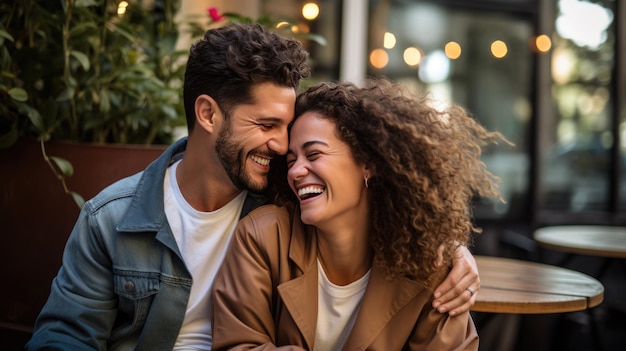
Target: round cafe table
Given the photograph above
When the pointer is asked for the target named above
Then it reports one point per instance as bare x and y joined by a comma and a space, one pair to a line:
522, 287
510, 286
596, 240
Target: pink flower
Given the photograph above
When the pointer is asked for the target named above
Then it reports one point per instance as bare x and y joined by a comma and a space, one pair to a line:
214, 14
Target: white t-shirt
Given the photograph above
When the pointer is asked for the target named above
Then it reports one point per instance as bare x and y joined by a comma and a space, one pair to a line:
338, 307
203, 238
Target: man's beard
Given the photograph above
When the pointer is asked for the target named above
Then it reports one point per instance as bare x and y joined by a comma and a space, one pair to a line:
230, 154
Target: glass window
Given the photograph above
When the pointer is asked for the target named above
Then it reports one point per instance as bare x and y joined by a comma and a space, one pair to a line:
482, 55
577, 165
480, 60
321, 18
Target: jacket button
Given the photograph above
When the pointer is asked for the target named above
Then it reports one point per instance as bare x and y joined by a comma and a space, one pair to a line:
129, 286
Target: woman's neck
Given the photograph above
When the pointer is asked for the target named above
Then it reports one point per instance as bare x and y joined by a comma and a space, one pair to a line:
345, 255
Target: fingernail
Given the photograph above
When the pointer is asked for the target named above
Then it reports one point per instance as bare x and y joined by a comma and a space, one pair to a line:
453, 313
436, 304
442, 310
437, 294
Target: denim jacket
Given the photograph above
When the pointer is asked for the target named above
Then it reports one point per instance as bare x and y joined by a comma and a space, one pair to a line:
123, 284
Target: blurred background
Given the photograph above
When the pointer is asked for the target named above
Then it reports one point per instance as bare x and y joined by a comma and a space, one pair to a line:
548, 74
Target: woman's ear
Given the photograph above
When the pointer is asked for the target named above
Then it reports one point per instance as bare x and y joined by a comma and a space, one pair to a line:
207, 111
367, 175
368, 172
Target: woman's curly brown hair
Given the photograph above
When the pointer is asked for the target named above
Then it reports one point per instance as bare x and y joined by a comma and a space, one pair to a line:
426, 169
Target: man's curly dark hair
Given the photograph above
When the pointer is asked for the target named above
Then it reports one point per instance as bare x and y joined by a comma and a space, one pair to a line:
426, 169
229, 61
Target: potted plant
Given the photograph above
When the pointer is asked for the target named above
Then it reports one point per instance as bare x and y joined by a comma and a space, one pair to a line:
78, 79
89, 71
96, 71
75, 75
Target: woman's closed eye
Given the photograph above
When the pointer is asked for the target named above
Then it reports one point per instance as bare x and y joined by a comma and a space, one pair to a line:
311, 156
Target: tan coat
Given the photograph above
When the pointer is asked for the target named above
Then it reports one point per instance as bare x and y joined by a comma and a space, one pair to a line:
266, 296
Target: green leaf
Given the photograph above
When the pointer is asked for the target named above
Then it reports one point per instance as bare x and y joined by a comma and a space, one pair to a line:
7, 74
83, 27
18, 94
66, 94
169, 111
71, 82
64, 166
33, 115
8, 138
77, 199
110, 25
314, 37
6, 35
105, 102
86, 3
234, 17
114, 99
81, 58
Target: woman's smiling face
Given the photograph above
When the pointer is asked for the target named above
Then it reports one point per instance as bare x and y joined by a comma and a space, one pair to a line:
323, 173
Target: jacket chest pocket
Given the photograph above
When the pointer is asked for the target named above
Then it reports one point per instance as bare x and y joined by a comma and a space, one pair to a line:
135, 291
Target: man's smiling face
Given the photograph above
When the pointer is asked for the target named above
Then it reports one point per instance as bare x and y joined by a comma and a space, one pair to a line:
255, 133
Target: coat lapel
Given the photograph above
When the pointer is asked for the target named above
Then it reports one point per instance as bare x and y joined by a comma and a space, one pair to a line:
383, 299
381, 302
300, 294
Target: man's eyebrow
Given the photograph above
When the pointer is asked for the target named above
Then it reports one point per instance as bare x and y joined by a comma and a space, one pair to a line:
269, 120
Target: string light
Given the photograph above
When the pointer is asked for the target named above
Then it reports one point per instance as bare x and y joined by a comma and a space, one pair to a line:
121, 8
499, 49
379, 58
389, 40
543, 43
453, 50
310, 11
412, 56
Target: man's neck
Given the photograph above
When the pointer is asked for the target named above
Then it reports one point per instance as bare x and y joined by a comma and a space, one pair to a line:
202, 189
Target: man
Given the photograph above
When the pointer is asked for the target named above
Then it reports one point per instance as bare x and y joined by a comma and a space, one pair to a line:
139, 264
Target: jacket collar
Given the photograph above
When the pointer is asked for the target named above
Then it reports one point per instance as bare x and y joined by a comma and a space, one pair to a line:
386, 297
146, 212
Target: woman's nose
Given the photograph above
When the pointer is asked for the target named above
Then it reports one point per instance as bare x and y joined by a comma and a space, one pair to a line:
297, 170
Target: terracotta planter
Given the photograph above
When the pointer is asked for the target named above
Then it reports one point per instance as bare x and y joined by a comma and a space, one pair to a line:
37, 216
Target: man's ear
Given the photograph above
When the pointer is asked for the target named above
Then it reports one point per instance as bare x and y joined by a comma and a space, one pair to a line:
207, 112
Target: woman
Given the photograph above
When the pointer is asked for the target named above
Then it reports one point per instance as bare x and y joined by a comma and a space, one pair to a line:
379, 181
